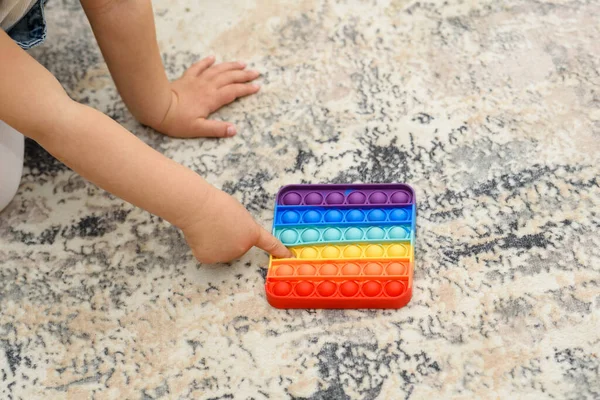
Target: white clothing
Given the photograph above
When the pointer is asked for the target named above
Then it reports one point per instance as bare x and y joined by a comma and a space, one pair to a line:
11, 11
12, 148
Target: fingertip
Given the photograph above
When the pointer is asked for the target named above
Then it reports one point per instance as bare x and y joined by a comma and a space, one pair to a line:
289, 254
282, 252
272, 245
231, 131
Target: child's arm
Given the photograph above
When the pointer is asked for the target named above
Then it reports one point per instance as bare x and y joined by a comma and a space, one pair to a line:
126, 35
32, 101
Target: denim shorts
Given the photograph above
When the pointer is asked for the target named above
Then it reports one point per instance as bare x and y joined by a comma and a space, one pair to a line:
31, 29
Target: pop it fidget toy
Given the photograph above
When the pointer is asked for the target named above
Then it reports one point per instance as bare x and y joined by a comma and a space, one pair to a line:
354, 246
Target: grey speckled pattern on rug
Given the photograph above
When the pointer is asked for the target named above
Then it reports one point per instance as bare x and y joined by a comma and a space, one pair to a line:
490, 109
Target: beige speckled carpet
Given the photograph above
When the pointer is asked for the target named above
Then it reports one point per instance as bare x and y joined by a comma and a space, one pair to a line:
489, 109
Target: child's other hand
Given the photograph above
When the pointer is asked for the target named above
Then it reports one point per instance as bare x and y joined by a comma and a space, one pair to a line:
203, 89
224, 230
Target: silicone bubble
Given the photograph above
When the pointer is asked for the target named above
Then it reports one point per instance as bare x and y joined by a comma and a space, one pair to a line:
357, 198
288, 236
395, 269
400, 197
355, 216
310, 235
332, 234
326, 288
352, 251
398, 215
396, 250
290, 217
377, 198
334, 198
374, 251
309, 252
304, 288
353, 234
328, 269
373, 269
350, 269
313, 199
284, 270
394, 288
333, 216
330, 252
397, 232
349, 288
282, 288
306, 269
375, 233
376, 215
292, 199
371, 288
311, 216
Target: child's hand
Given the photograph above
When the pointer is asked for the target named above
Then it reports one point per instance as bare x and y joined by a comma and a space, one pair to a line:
225, 230
203, 89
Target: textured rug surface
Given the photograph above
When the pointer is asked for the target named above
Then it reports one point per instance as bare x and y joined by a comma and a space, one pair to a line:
490, 109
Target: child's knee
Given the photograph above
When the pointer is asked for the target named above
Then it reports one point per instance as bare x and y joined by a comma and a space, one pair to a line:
12, 145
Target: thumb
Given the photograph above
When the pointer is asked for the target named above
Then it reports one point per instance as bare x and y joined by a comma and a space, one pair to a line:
211, 128
272, 245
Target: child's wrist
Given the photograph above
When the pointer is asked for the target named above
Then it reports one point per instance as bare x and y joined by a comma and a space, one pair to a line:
153, 112
195, 208
160, 120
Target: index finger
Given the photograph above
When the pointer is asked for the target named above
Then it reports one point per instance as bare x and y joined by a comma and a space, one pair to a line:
272, 245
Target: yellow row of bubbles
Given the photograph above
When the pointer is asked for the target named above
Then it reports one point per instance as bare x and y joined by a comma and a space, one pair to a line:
353, 251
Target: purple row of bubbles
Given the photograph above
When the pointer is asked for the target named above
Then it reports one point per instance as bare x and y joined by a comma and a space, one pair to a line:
356, 197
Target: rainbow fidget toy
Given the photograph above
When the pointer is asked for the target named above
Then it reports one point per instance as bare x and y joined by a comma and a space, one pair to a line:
353, 246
